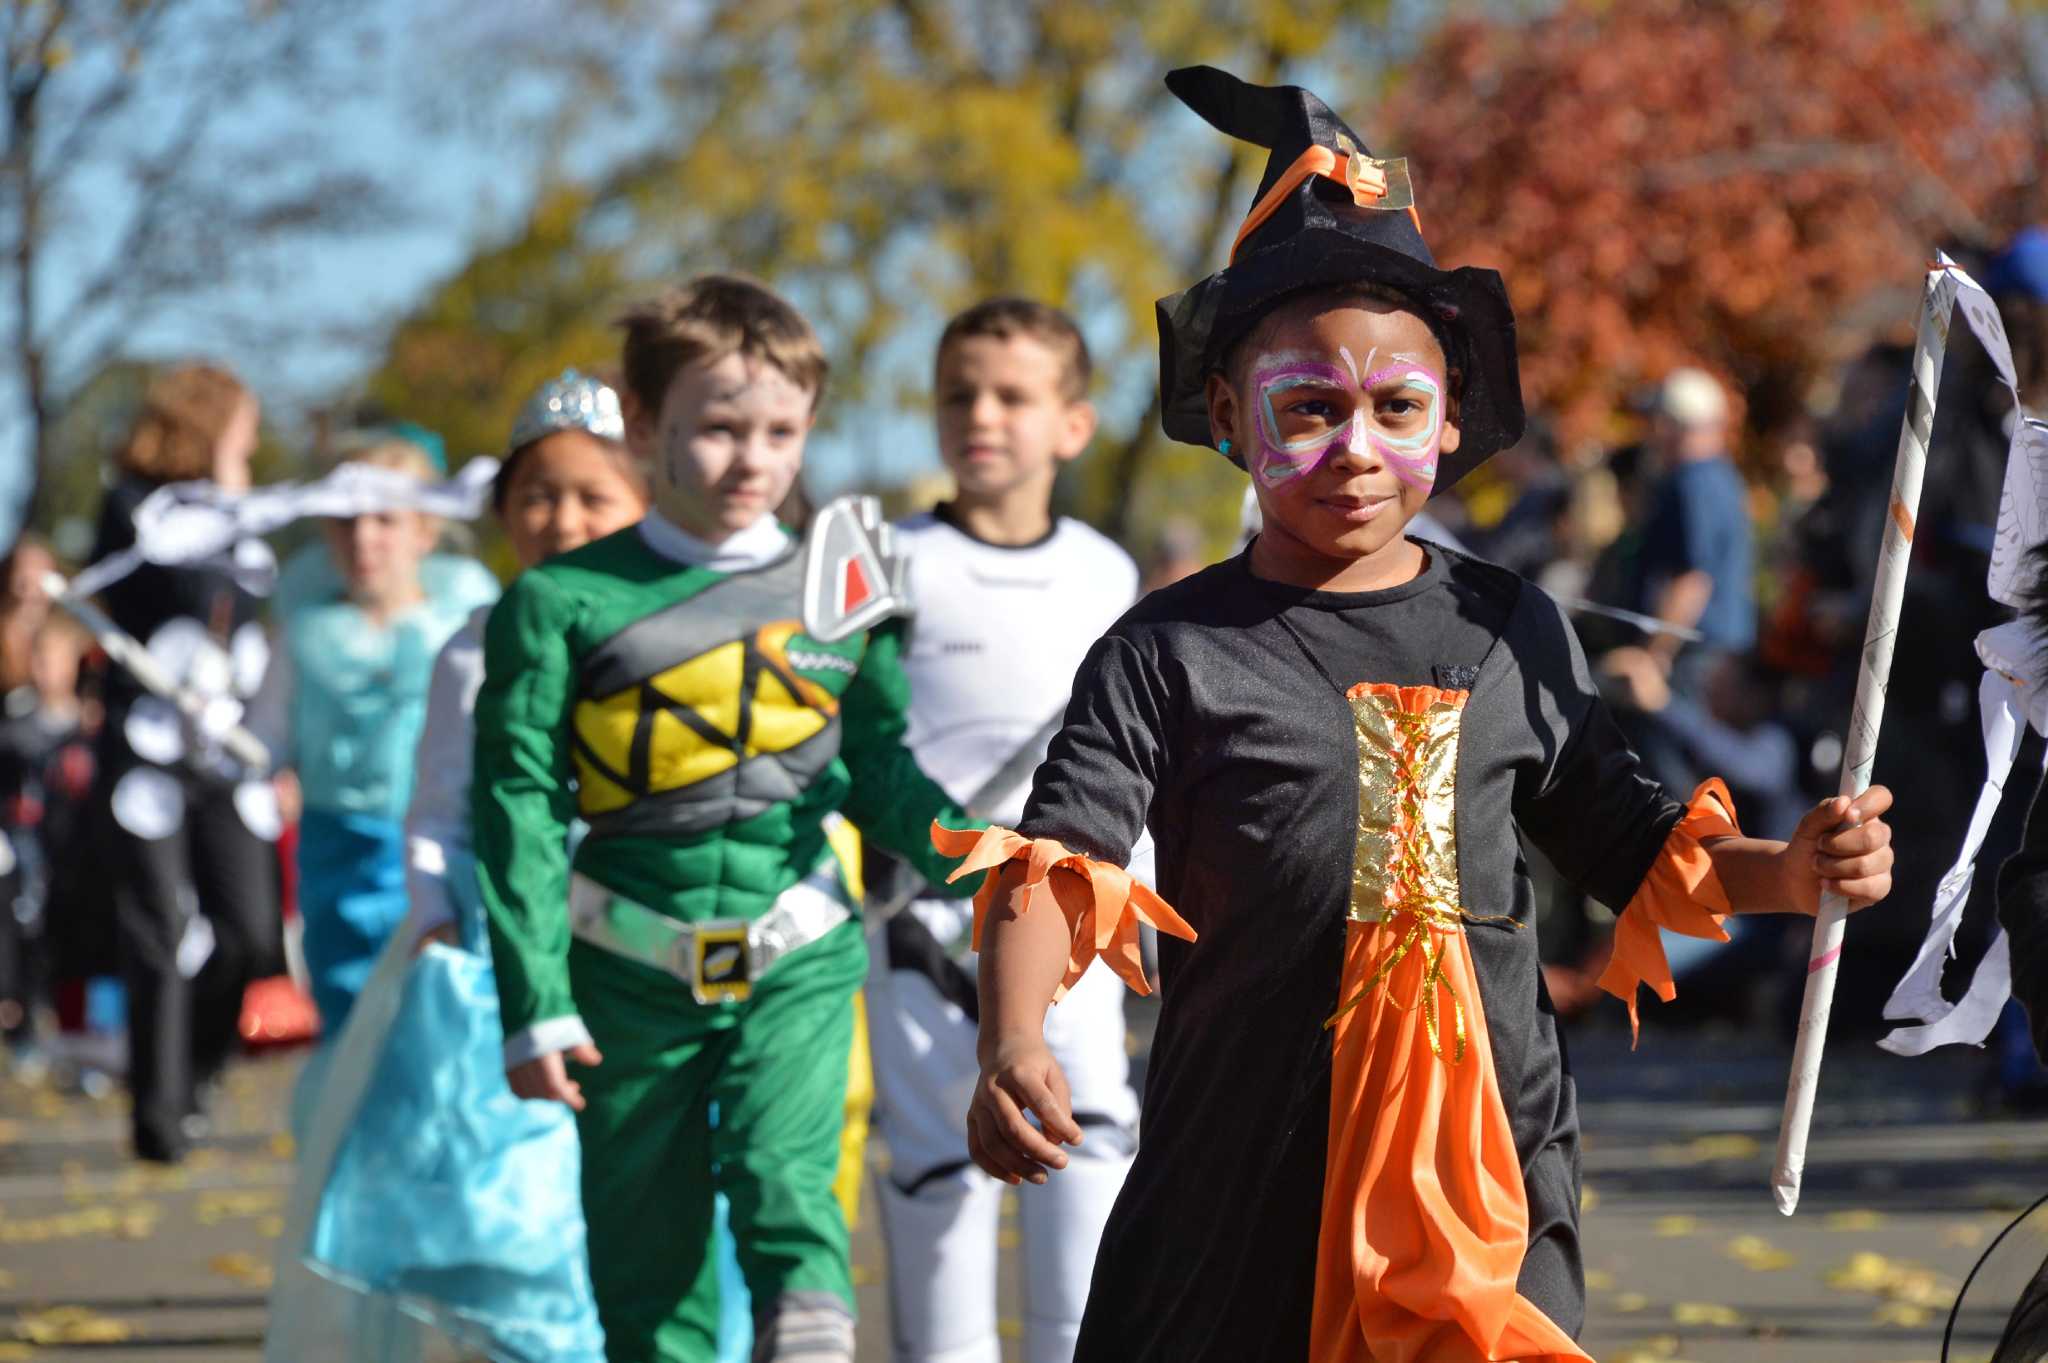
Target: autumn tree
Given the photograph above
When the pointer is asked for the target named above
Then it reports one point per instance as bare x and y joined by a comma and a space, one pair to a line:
1749, 186
158, 159
887, 162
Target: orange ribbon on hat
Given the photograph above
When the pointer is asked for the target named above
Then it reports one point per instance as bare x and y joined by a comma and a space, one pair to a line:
1365, 177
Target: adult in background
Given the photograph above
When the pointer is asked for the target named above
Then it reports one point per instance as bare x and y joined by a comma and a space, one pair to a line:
196, 903
1698, 568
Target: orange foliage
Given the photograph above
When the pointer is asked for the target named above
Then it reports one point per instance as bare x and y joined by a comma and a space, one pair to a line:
1749, 186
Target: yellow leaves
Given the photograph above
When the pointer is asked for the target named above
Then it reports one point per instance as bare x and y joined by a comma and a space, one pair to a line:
1599, 1280
70, 1325
1724, 1146
1673, 1226
1904, 1314
216, 1207
242, 1268
1588, 1199
1628, 1303
1705, 1313
1757, 1254
1913, 1294
1858, 1220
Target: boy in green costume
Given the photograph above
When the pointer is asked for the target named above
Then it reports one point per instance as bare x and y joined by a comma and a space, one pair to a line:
688, 987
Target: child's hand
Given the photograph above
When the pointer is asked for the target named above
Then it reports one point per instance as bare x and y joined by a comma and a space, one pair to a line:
1017, 1079
546, 1077
1854, 862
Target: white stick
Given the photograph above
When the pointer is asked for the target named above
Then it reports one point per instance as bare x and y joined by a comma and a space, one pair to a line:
130, 653
1930, 345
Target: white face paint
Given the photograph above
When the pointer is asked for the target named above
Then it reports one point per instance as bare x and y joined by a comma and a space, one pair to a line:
727, 446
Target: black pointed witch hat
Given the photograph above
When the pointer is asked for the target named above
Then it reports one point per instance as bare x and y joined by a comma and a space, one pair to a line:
1328, 213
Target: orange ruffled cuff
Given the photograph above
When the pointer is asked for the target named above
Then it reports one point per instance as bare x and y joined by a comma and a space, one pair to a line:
1103, 906
1682, 892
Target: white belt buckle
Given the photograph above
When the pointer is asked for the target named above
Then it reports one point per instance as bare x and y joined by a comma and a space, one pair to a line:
717, 962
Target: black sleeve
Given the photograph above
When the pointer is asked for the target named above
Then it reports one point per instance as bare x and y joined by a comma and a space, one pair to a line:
143, 600
1589, 808
2023, 913
1094, 789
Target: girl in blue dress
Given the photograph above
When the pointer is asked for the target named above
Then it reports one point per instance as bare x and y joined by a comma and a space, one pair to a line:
447, 1203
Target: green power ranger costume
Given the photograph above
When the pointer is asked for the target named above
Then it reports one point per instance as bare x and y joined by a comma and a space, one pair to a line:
687, 716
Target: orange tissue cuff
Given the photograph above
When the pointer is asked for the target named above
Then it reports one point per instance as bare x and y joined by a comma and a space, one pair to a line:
1682, 892
1103, 906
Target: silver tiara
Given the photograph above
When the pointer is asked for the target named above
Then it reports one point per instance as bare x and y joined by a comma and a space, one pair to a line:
571, 401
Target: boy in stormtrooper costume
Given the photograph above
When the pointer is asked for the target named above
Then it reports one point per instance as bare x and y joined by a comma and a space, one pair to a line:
1007, 599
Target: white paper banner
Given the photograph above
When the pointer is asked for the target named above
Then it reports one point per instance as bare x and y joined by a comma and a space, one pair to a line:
2022, 513
1918, 995
1982, 315
198, 522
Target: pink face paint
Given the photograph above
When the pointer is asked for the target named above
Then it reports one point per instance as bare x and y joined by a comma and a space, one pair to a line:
1413, 457
1274, 460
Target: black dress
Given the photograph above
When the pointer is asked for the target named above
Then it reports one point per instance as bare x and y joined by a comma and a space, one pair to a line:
1215, 714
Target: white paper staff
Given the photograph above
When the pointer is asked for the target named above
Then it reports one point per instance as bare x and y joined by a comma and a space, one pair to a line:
1866, 716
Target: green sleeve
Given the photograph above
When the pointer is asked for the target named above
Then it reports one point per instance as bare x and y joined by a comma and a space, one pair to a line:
892, 801
523, 802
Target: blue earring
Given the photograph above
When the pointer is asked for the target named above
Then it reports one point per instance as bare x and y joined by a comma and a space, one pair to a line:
1223, 448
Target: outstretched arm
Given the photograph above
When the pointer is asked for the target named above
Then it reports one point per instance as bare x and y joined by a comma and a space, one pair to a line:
1023, 960
1059, 899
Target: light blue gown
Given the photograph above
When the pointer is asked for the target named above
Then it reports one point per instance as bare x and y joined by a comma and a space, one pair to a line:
351, 699
435, 1214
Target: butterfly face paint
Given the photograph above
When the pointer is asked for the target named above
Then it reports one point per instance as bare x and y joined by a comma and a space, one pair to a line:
1408, 445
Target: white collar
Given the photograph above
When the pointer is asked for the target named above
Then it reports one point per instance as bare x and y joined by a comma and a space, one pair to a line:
759, 544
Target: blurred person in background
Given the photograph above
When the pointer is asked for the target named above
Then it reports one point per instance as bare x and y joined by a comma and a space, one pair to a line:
1526, 539
46, 769
1009, 598
429, 1179
1697, 566
24, 605
196, 898
1176, 552
342, 706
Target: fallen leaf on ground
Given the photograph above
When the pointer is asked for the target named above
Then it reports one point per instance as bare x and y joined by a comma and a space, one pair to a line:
70, 1325
1854, 1220
1599, 1280
243, 1268
1706, 1313
1671, 1227
1895, 1279
1630, 1302
1758, 1255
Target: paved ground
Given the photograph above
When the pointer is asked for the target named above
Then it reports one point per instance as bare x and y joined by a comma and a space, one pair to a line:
1688, 1260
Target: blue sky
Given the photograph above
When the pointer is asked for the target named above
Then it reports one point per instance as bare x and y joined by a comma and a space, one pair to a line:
408, 91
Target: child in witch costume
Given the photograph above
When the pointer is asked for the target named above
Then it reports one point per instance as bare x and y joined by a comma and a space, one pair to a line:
670, 686
1361, 1140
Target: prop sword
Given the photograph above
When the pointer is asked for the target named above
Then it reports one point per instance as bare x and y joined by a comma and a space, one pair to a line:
1929, 347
